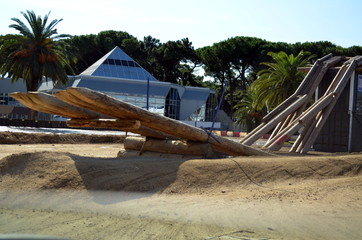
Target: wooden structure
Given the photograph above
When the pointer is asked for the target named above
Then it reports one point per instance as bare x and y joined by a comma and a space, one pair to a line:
296, 114
88, 108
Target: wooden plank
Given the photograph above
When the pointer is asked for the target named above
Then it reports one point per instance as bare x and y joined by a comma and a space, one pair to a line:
110, 106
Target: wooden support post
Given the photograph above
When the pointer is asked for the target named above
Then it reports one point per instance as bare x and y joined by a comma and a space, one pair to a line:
247, 136
272, 123
316, 72
311, 88
278, 141
309, 128
324, 116
276, 111
303, 88
302, 136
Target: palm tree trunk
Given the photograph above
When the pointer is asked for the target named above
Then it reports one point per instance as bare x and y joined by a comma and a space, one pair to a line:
32, 86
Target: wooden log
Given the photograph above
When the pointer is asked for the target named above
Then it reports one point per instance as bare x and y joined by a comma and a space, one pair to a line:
272, 123
302, 136
278, 141
341, 77
275, 132
73, 100
62, 108
26, 101
336, 79
112, 107
282, 125
120, 124
47, 103
324, 116
148, 132
309, 128
233, 148
115, 108
247, 136
168, 146
276, 111
313, 73
308, 86
311, 88
144, 131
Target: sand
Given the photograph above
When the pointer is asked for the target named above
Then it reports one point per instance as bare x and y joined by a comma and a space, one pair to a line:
83, 191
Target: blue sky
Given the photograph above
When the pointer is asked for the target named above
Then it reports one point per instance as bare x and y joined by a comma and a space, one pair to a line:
204, 22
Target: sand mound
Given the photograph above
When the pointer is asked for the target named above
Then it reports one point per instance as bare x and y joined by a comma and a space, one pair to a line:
311, 197
34, 138
49, 170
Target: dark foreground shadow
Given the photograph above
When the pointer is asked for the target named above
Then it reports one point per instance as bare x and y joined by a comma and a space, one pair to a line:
134, 177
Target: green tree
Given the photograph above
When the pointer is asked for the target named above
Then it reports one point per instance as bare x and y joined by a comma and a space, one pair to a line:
90, 48
233, 60
35, 52
246, 110
172, 58
280, 79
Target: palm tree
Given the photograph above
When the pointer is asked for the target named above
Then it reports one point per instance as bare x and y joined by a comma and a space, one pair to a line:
277, 82
35, 52
247, 113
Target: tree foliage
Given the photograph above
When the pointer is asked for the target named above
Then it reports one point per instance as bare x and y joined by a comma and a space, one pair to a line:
247, 112
235, 61
35, 51
280, 79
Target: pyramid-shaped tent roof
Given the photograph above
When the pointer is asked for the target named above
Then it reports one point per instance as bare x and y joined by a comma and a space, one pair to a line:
117, 64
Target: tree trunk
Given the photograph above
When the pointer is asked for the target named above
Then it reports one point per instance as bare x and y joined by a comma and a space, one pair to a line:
32, 86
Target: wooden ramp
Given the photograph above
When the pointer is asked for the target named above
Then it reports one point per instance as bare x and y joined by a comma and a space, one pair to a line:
89, 108
293, 114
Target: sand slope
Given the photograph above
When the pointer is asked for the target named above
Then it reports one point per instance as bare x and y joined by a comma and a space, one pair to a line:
64, 190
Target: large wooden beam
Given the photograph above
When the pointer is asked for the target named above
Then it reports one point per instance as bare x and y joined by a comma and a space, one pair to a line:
47, 103
110, 106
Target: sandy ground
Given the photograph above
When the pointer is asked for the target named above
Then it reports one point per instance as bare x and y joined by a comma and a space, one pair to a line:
83, 191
